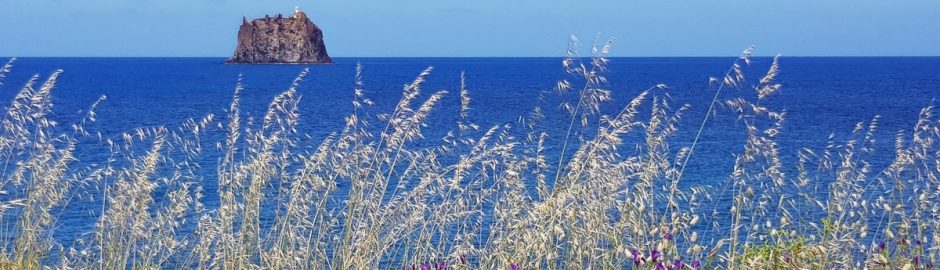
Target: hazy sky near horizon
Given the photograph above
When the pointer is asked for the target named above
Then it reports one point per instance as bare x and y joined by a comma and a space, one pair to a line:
364, 28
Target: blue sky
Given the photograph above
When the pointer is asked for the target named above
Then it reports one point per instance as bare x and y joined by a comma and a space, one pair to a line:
362, 28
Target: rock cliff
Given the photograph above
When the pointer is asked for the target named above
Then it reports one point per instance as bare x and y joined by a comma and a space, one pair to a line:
280, 40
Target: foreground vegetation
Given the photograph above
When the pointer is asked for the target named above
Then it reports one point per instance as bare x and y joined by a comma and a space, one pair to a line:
367, 197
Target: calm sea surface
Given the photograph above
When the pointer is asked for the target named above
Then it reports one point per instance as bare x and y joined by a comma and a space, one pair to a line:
821, 96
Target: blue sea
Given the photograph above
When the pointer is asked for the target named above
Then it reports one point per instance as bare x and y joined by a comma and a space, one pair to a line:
821, 96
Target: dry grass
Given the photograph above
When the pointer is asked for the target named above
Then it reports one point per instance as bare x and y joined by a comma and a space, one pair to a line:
484, 199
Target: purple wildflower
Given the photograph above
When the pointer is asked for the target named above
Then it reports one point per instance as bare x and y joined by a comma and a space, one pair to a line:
882, 246
696, 264
668, 236
411, 267
442, 265
637, 257
660, 266
655, 255
677, 264
425, 266
513, 266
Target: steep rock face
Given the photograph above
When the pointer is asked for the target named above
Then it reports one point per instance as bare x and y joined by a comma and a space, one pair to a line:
289, 40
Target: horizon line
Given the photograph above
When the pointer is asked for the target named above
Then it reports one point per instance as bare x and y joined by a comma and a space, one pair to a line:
587, 56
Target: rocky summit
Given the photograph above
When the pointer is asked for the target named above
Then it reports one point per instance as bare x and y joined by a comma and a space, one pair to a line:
280, 40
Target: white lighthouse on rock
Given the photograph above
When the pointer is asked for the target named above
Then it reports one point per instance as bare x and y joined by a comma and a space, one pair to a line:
296, 11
